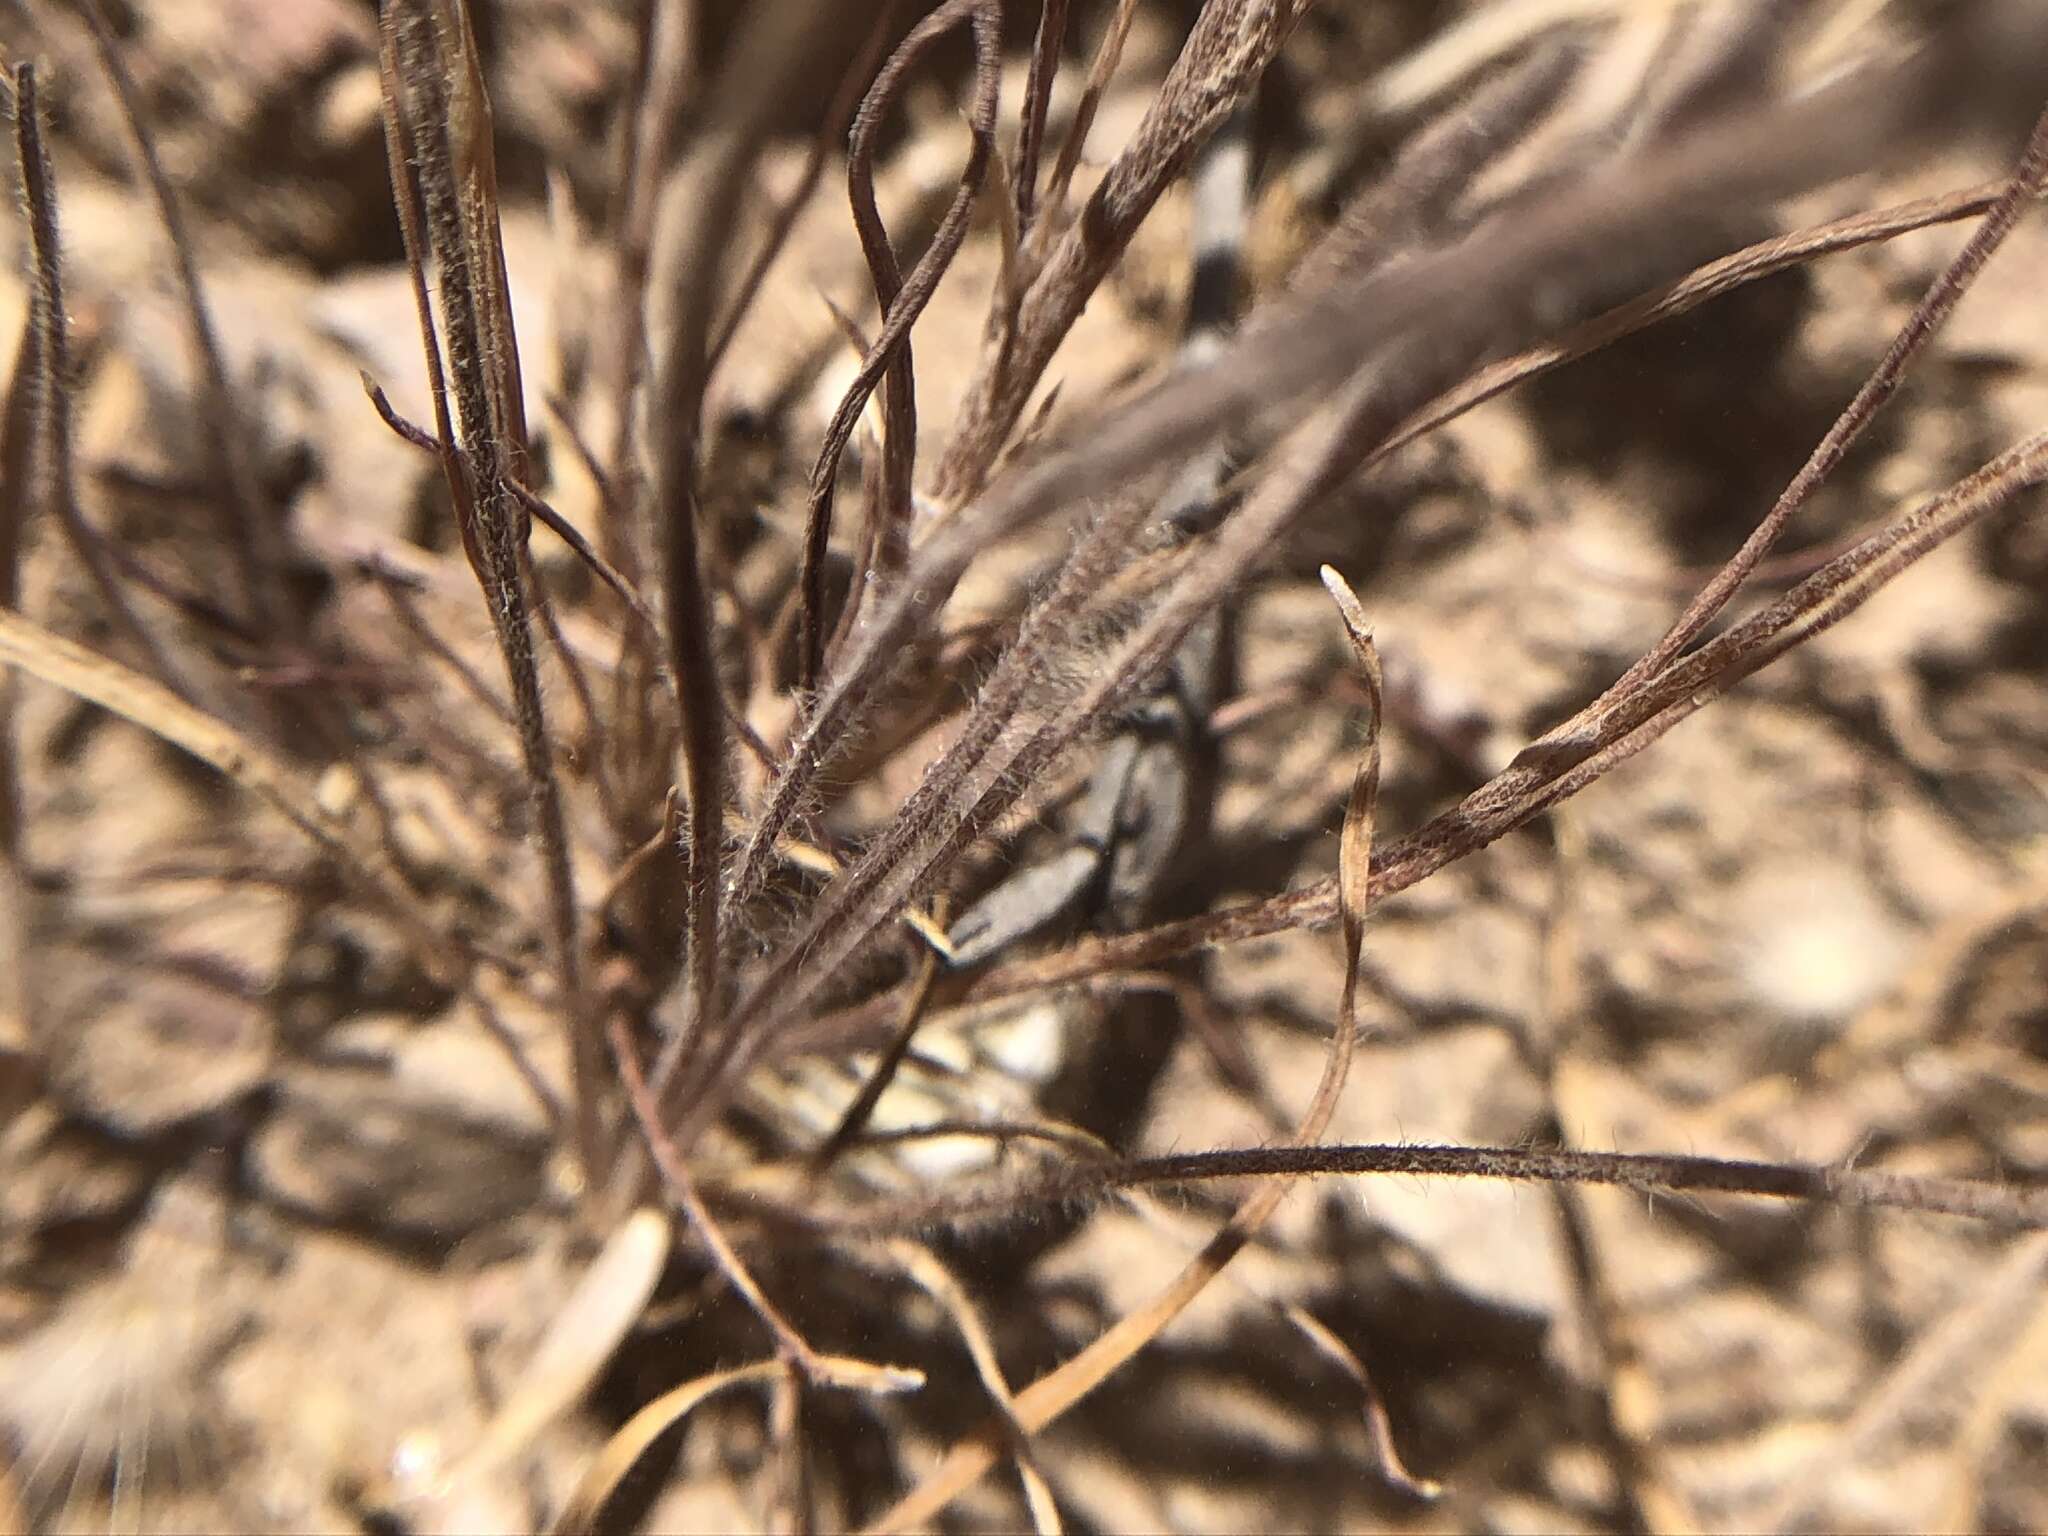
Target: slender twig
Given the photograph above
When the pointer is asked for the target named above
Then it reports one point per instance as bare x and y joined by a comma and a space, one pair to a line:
1045, 60
1934, 308
1100, 71
888, 359
676, 1175
669, 45
438, 90
781, 39
1652, 1173
50, 324
855, 1120
535, 505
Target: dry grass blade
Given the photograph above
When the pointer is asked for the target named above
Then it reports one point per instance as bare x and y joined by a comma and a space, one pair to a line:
1354, 849
593, 1322
1051, 1395
602, 1478
821, 861
1378, 1427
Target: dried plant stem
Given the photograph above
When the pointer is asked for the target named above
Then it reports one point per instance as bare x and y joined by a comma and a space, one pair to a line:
1101, 69
790, 1346
2003, 1205
782, 38
667, 59
1045, 61
1328, 447
931, 1275
50, 326
1934, 308
855, 1121
434, 86
888, 359
535, 505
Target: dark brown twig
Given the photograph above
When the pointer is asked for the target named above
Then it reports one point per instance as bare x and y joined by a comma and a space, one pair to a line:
888, 359
435, 92
1934, 308
781, 40
50, 325
854, 1122
669, 40
675, 1174
1652, 1173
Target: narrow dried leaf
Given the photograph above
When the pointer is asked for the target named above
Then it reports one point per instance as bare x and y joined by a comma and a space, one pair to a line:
609, 1468
624, 1450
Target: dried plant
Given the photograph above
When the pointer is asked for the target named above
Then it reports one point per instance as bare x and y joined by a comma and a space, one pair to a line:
703, 933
